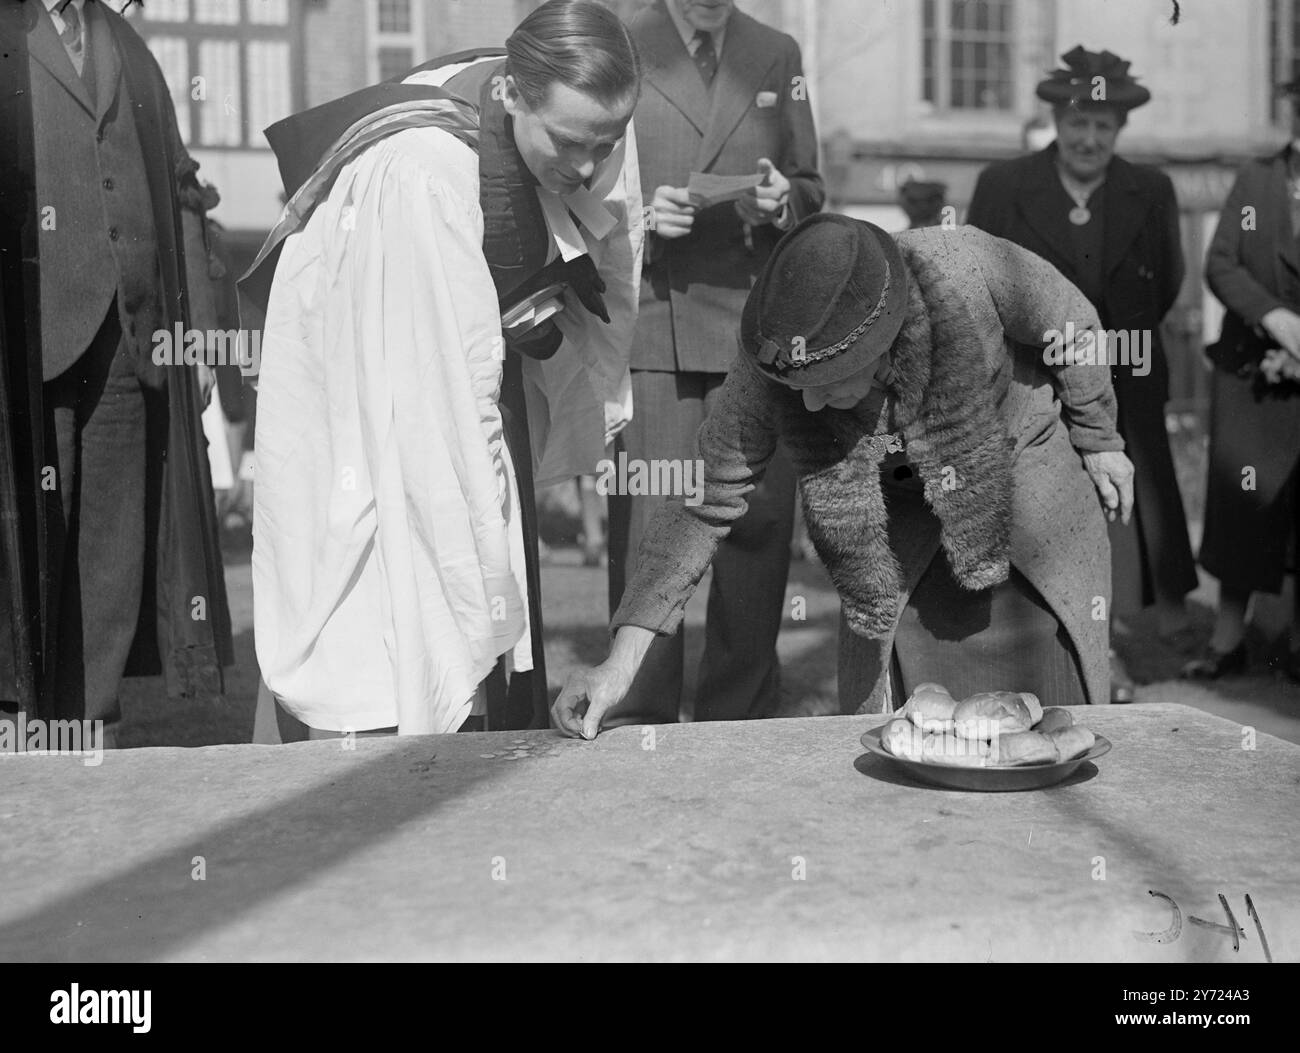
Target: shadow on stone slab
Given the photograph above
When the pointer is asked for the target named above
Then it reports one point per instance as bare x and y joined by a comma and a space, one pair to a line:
150, 911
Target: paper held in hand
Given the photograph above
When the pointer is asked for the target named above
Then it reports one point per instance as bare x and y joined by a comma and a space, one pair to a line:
707, 189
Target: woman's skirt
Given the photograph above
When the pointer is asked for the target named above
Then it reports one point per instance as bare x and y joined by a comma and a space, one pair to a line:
999, 639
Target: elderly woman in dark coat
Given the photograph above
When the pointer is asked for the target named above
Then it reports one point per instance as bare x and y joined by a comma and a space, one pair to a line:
1111, 227
948, 490
1250, 504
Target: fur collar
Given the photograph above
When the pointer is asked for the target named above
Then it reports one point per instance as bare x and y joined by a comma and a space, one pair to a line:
943, 402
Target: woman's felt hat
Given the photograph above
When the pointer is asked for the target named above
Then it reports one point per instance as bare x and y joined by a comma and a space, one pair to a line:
1096, 77
828, 303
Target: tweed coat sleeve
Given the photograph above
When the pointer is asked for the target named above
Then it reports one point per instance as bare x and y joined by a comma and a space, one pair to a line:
1034, 300
1226, 272
734, 446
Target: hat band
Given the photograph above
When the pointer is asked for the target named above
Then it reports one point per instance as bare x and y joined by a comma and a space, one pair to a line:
812, 357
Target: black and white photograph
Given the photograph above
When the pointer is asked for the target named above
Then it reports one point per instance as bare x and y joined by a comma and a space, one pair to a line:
687, 481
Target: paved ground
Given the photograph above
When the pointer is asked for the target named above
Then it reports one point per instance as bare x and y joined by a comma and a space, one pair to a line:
576, 616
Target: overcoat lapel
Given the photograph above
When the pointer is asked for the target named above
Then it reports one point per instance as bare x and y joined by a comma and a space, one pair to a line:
1038, 207
107, 64
670, 70
743, 66
1280, 207
1126, 209
45, 47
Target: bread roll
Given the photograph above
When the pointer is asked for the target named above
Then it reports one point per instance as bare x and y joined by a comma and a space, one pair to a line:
1025, 747
956, 752
991, 713
903, 739
1054, 718
1033, 705
930, 708
1070, 742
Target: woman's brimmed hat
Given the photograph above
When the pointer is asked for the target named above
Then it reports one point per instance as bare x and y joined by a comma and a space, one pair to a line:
1096, 77
828, 303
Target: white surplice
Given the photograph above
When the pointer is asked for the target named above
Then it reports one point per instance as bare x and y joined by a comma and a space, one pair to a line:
388, 570
582, 396
388, 556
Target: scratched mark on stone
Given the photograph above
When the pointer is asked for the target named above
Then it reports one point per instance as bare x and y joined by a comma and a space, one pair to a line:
1259, 927
1170, 934
1232, 928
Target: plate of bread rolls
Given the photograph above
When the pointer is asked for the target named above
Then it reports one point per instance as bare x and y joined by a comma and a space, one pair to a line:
994, 740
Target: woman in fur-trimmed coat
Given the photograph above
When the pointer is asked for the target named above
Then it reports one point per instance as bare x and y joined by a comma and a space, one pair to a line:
952, 495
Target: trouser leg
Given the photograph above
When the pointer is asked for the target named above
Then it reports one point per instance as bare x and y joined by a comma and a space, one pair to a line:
740, 674
97, 547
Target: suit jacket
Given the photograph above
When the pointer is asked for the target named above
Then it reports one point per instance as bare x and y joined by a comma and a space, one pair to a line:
128, 133
994, 300
694, 287
1141, 256
97, 226
1253, 271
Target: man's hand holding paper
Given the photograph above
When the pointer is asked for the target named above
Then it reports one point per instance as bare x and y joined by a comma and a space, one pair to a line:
672, 212
707, 189
766, 201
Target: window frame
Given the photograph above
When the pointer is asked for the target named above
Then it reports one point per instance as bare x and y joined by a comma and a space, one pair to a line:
241, 32
377, 39
941, 67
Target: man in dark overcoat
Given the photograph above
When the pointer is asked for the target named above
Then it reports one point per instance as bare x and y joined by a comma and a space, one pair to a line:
111, 566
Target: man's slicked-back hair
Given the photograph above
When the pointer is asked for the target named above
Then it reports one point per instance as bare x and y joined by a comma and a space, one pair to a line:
579, 43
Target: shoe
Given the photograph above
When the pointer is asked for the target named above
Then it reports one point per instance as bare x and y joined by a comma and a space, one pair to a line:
1213, 663
1122, 689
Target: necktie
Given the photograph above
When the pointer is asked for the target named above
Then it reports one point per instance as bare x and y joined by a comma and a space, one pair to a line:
706, 59
72, 35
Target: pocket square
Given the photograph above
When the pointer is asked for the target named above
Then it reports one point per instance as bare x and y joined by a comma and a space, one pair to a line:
765, 99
